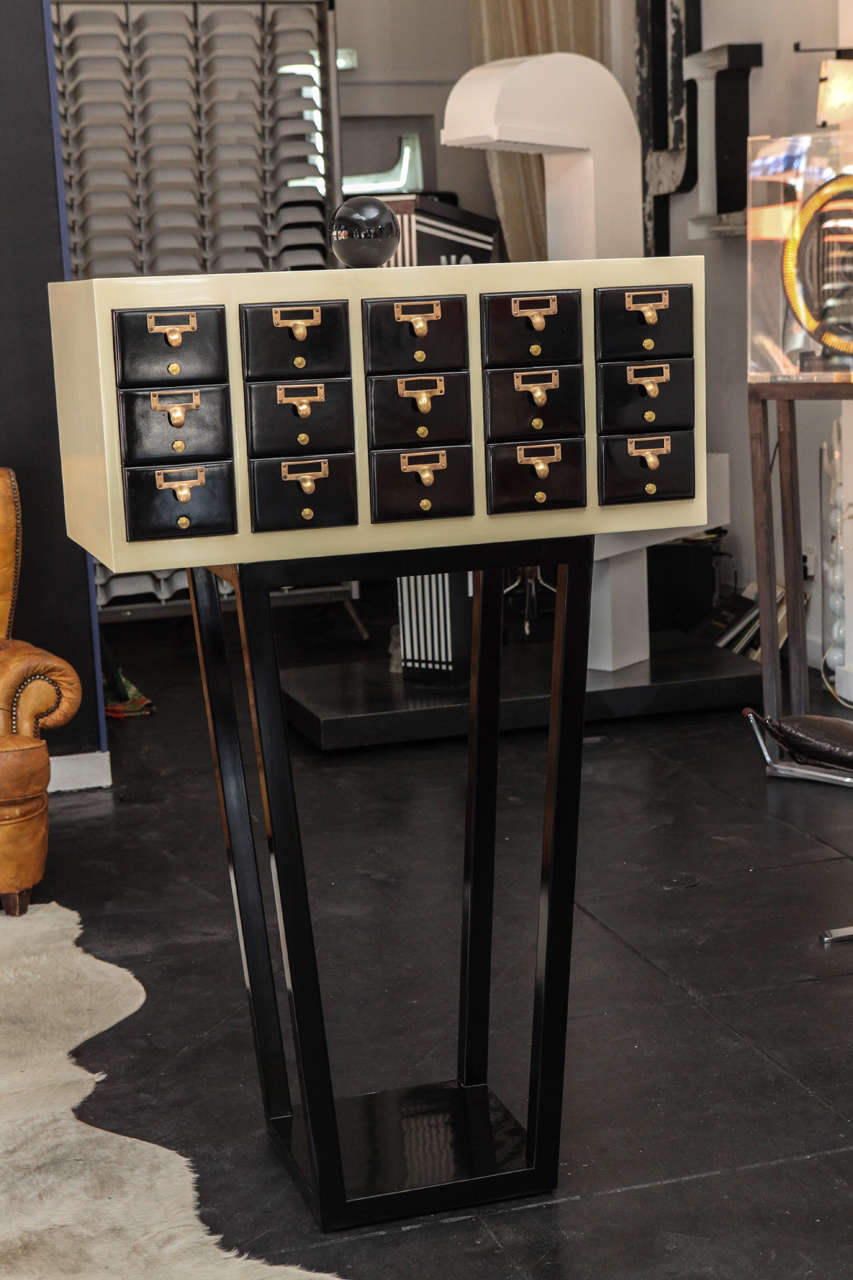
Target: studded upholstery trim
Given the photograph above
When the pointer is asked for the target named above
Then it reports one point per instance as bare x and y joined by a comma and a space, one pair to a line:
42, 714
16, 581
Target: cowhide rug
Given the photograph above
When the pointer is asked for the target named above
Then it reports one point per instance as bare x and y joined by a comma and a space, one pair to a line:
77, 1201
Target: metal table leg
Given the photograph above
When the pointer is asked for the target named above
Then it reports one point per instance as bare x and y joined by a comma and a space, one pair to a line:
440, 1145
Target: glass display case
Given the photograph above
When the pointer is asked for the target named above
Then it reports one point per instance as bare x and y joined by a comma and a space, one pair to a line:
800, 258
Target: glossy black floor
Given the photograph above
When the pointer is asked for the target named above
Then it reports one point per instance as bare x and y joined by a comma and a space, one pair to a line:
708, 1119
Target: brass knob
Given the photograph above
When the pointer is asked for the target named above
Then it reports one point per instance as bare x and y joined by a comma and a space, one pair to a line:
307, 513
538, 321
651, 389
420, 356
303, 408
183, 522
648, 344
177, 415
178, 446
303, 438
299, 362
539, 496
424, 402
649, 415
651, 489
535, 349
540, 396
182, 493
649, 314
306, 484
541, 468
299, 331
420, 327
426, 476
425, 504
174, 368
652, 461
174, 337
537, 424
422, 432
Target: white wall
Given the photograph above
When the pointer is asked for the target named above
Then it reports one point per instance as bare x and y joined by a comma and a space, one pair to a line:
411, 53
783, 97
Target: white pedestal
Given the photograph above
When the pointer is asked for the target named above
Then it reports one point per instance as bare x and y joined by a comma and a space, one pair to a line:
619, 620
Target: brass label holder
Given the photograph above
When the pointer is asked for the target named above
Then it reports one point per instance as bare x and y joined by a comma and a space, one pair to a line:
306, 473
648, 302
165, 322
648, 376
535, 309
650, 449
424, 463
301, 396
539, 457
537, 384
183, 484
176, 409
297, 319
421, 390
418, 315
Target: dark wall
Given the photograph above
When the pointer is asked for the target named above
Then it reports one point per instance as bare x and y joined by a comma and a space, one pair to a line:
53, 605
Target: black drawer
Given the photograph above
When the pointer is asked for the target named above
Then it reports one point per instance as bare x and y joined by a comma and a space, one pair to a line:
413, 410
512, 411
531, 328
636, 322
284, 419
303, 493
534, 477
170, 347
645, 397
405, 335
174, 425
280, 340
179, 502
401, 488
645, 468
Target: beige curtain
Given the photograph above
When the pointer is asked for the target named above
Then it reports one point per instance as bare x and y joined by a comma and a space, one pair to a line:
509, 29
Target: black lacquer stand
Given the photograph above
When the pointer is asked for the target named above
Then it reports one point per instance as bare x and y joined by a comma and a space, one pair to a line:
436, 1146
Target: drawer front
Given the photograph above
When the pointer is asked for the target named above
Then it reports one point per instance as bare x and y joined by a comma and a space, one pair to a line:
286, 340
645, 396
529, 404
170, 347
284, 419
173, 426
627, 470
531, 328
303, 493
638, 322
534, 477
154, 508
411, 411
399, 490
409, 335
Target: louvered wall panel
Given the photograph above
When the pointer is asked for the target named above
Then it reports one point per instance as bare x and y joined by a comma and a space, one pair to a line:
192, 136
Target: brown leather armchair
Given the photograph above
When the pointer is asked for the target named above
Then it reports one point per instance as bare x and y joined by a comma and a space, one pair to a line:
37, 691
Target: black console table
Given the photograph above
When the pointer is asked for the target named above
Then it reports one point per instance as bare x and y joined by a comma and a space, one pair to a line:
382, 1155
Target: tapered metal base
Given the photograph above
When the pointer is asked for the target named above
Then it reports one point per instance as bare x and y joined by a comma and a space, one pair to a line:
429, 1147
417, 1150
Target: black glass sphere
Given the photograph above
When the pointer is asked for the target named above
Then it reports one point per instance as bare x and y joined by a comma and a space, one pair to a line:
363, 232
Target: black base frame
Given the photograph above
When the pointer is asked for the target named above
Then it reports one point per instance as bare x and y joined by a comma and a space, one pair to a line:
437, 1146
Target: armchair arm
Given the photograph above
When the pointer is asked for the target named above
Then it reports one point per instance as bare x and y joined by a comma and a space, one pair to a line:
37, 690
